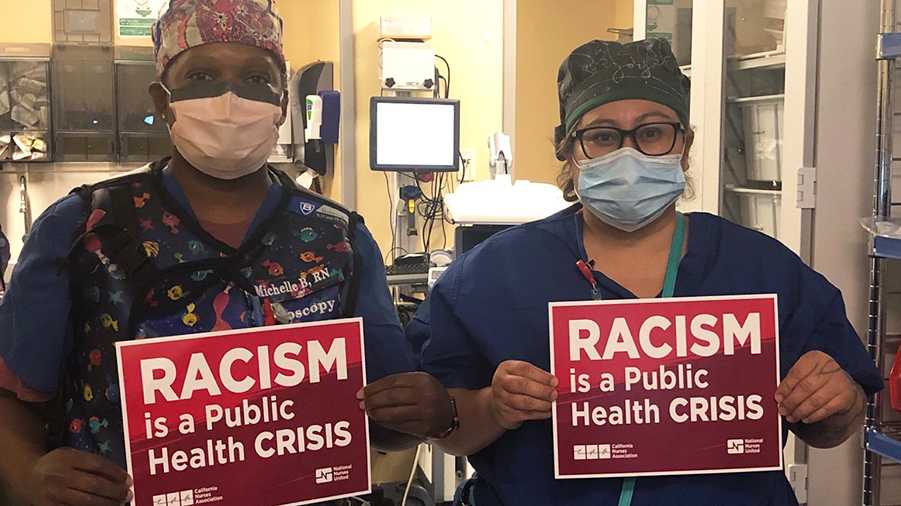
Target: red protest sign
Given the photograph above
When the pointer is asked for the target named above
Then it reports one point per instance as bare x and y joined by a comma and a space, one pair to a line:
265, 416
666, 386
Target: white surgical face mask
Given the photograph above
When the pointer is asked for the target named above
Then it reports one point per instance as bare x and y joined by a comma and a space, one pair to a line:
224, 131
627, 189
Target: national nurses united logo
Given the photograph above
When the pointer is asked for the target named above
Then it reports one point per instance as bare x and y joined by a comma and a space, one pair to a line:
332, 474
744, 446
324, 475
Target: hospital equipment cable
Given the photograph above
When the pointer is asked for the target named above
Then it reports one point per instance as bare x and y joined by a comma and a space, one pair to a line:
443, 188
429, 222
436, 91
382, 50
412, 475
432, 208
462, 171
448, 80
429, 214
392, 220
450, 188
442, 78
439, 211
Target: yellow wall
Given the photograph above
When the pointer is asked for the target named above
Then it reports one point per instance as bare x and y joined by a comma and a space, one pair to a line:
546, 33
26, 22
311, 34
625, 14
459, 31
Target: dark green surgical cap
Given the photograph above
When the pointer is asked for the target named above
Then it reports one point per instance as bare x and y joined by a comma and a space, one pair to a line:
600, 72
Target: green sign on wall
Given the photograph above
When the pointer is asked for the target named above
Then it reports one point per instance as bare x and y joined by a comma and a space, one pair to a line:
135, 18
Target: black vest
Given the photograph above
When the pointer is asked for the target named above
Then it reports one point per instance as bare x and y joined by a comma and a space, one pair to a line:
141, 266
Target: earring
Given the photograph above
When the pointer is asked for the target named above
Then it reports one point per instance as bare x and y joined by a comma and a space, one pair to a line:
163, 116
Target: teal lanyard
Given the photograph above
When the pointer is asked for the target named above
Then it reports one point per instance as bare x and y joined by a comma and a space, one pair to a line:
675, 257
669, 287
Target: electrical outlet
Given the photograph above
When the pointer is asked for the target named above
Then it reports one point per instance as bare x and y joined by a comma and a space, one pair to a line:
467, 171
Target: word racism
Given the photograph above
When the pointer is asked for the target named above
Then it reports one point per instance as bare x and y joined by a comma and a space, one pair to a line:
289, 365
659, 339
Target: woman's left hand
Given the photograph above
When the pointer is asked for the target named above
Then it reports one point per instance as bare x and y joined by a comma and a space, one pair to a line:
815, 389
414, 403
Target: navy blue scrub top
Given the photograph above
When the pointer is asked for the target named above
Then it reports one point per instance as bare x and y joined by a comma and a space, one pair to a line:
36, 335
491, 306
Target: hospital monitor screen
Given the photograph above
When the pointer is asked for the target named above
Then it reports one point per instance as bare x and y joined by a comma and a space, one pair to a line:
414, 134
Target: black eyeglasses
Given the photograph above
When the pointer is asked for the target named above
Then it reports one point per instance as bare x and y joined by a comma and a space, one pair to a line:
652, 139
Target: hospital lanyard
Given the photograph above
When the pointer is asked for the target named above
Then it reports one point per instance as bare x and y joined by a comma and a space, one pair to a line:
669, 287
672, 265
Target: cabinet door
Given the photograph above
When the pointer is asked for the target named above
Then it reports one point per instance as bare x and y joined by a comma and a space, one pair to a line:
751, 166
142, 136
84, 105
767, 129
25, 110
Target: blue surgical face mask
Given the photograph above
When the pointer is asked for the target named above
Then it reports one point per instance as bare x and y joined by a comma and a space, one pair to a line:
627, 189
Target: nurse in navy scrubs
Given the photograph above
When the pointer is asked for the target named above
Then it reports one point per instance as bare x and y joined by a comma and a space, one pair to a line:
625, 138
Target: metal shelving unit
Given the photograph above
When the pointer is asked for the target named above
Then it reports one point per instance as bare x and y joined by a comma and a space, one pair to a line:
887, 248
884, 442
883, 439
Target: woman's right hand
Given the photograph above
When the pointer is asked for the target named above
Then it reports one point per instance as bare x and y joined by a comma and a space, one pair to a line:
74, 478
519, 392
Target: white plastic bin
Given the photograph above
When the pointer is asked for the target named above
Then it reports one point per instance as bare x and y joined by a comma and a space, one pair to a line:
763, 119
759, 209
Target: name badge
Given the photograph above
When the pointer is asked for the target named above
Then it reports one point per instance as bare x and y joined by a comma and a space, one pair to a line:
282, 289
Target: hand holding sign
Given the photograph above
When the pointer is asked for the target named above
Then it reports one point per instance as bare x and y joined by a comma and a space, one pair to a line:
413, 403
815, 389
520, 391
72, 477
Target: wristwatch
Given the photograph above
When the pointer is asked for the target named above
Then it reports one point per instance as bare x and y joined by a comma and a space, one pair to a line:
455, 424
